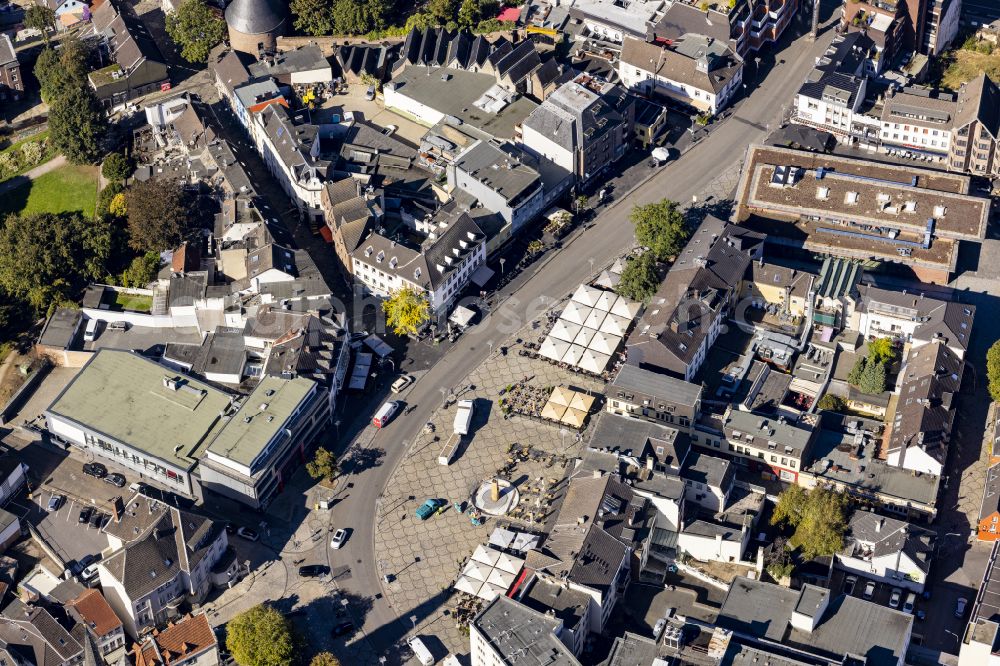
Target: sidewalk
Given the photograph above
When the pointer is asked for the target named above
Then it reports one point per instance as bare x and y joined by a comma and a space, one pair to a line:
40, 170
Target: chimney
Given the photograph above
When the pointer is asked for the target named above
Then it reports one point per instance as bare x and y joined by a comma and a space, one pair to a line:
598, 474
649, 463
878, 525
118, 506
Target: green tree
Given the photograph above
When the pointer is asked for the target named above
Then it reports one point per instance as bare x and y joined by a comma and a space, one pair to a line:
993, 371
196, 28
831, 403
324, 659
442, 10
349, 18
261, 636
312, 17
41, 18
157, 215
881, 350
45, 257
420, 21
639, 280
77, 125
468, 13
406, 311
873, 378
32, 152
116, 167
63, 70
323, 465
141, 271
106, 196
854, 376
818, 516
661, 227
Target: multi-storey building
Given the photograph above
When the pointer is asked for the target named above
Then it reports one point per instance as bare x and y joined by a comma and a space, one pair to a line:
975, 145
11, 82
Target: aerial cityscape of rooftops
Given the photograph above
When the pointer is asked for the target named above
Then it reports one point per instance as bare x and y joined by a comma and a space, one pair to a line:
499, 332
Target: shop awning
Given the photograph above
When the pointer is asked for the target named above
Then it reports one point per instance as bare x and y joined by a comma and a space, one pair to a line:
482, 275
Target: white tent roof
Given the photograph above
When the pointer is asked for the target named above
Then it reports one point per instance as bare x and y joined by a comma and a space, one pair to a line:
476, 570
606, 300
575, 312
573, 354
615, 325
501, 537
586, 295
461, 316
489, 591
553, 348
618, 266
624, 307
468, 586
593, 361
501, 579
509, 563
595, 318
564, 330
524, 541
608, 280
605, 343
584, 337
486, 555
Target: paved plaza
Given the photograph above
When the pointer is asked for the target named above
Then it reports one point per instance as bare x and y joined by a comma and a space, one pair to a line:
424, 557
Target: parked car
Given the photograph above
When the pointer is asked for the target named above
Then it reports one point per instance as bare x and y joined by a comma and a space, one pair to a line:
115, 479
849, 584
89, 572
869, 590
401, 383
313, 570
960, 607
247, 533
427, 509
370, 93
55, 502
118, 326
90, 333
339, 538
385, 414
95, 469
96, 519
85, 514
908, 605
895, 597
342, 629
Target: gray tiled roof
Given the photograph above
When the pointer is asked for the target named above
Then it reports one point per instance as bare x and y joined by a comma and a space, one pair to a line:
522, 634
640, 437
709, 470
655, 387
882, 535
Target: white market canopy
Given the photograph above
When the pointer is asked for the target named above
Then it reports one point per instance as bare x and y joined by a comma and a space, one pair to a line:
605, 343
461, 316
586, 295
584, 337
553, 348
564, 330
575, 312
574, 354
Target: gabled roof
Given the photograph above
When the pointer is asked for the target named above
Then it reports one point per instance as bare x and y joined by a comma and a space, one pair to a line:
869, 534
7, 53
979, 99
180, 641
93, 610
695, 60
35, 629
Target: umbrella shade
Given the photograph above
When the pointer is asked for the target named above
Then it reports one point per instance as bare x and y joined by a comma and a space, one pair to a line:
574, 418
574, 354
553, 348
584, 337
624, 307
524, 541
476, 571
593, 361
468, 586
553, 412
561, 396
565, 330
586, 295
502, 537
575, 312
608, 280
595, 318
489, 591
501, 579
582, 401
510, 564
605, 343
606, 300
615, 324
486, 555
618, 266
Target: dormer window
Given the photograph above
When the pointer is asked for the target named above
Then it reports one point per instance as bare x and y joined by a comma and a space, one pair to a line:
380, 256
940, 211
822, 193
369, 250
851, 198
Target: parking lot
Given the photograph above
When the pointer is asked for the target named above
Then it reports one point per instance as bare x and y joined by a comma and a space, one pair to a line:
373, 111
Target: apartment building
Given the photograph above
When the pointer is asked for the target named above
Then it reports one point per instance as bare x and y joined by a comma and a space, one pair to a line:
92, 610
291, 153
912, 317
975, 147
697, 71
137, 67
888, 550
506, 632
654, 397
189, 641
747, 26
499, 178
11, 81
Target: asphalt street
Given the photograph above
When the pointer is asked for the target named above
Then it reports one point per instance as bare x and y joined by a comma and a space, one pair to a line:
607, 238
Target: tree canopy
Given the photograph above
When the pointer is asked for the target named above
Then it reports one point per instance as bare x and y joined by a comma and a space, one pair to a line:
881, 350
157, 215
116, 167
323, 465
661, 227
46, 257
141, 271
41, 18
261, 636
406, 311
196, 29
819, 517
313, 17
77, 125
639, 280
993, 371
324, 659
62, 70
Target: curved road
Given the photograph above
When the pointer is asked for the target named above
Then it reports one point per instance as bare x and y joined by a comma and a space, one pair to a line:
607, 238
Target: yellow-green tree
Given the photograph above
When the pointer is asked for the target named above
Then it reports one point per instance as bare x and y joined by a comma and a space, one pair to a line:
261, 636
406, 310
324, 659
323, 465
819, 517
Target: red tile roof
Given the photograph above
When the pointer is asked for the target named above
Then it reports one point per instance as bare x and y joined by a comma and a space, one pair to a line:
95, 612
175, 643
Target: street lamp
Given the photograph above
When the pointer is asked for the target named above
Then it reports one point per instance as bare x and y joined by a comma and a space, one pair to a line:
503, 261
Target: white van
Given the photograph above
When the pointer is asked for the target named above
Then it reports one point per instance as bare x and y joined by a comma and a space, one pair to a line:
385, 414
420, 650
90, 333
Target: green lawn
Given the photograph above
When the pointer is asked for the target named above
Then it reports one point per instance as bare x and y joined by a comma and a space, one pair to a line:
67, 189
133, 302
